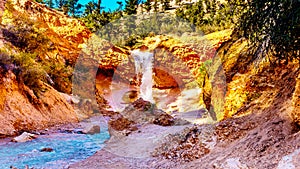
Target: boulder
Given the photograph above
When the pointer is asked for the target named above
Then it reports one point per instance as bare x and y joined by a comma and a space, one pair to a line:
24, 137
164, 120
120, 123
46, 149
91, 129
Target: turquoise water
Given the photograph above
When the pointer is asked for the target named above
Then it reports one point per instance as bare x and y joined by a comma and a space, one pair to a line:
68, 148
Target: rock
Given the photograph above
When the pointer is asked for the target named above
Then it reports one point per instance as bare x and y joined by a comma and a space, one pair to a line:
142, 105
24, 137
91, 129
75, 99
164, 120
46, 149
290, 161
120, 123
233, 163
296, 102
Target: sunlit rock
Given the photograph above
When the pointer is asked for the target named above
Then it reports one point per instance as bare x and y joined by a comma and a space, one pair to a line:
24, 137
296, 102
91, 129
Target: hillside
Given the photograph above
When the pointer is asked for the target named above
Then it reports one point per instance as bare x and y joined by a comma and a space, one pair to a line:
22, 108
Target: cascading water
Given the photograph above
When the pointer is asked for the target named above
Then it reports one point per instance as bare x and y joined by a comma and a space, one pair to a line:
143, 66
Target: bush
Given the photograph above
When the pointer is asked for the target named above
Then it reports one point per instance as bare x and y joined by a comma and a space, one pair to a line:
30, 72
23, 32
25, 68
273, 28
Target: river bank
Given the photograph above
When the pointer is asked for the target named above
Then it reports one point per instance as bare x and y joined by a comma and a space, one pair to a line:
261, 140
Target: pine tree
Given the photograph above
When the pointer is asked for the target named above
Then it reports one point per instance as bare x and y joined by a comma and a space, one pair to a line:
74, 7
99, 6
147, 5
89, 8
165, 4
120, 3
155, 6
273, 27
60, 4
50, 3
131, 6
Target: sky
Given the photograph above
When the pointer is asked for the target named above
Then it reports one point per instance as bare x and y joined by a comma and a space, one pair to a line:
108, 4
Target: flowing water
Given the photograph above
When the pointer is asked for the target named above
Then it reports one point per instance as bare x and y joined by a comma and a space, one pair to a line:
143, 66
67, 149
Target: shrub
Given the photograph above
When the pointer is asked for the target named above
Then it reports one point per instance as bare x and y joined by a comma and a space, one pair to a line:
31, 73
273, 28
24, 33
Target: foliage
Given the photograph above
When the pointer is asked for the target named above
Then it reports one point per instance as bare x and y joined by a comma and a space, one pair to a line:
165, 4
74, 7
120, 3
147, 5
50, 3
30, 45
60, 74
98, 5
62, 5
131, 6
89, 8
209, 15
96, 21
155, 6
273, 28
24, 33
25, 68
39, 1
130, 29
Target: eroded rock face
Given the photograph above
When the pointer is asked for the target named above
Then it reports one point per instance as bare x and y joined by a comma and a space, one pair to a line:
296, 102
57, 40
21, 109
65, 32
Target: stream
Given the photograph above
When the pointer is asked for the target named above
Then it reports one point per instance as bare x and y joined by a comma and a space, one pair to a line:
67, 148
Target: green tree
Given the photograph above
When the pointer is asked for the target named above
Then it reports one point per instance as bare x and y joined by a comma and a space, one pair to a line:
62, 5
273, 28
193, 13
155, 6
180, 13
96, 21
50, 3
74, 7
89, 8
147, 5
131, 6
120, 3
99, 6
165, 4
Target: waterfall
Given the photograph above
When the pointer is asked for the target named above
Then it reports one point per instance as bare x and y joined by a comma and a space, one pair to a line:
143, 66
